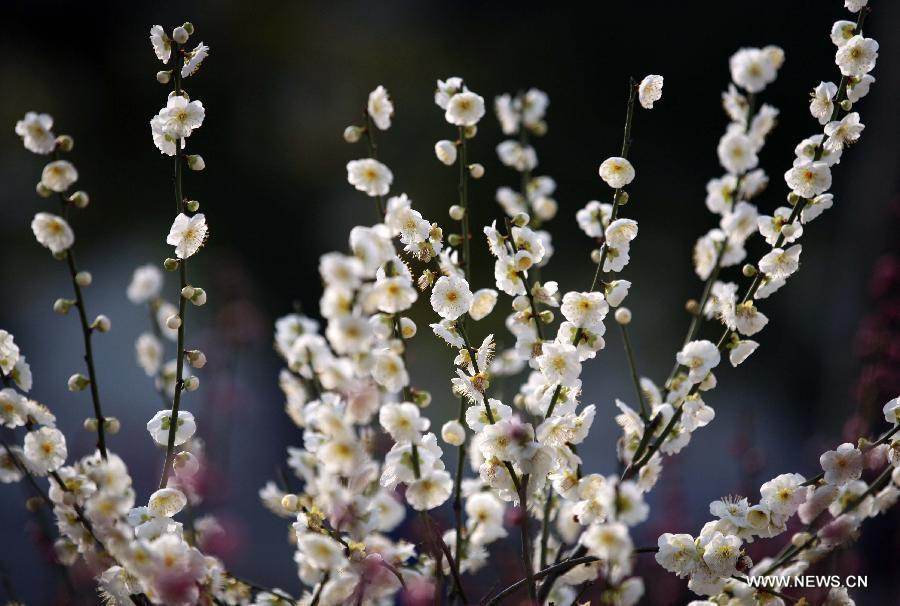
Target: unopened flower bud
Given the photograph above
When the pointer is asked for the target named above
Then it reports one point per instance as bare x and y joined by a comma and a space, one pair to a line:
352, 134
538, 128
476, 170
692, 306
180, 35
744, 563
192, 206
800, 538
173, 322
164, 77
196, 357
546, 316
846, 105
748, 270
65, 143
170, 264
793, 199
421, 398
789, 230
62, 306
112, 425
454, 239
470, 131
187, 292
199, 297
596, 255
453, 433
79, 199
407, 328
445, 151
78, 382
457, 212
521, 303
521, 219
188, 27
192, 383
90, 424
42, 190
101, 323
290, 502
623, 316
622, 198
83, 279
195, 162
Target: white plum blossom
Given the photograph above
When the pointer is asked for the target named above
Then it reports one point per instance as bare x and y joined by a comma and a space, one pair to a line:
779, 264
9, 352
699, 357
370, 176
45, 450
403, 422
146, 283
559, 363
188, 234
821, 106
159, 426
451, 297
616, 172
736, 151
857, 56
59, 175
842, 465
483, 302
180, 117
755, 68
162, 45
431, 490
380, 108
465, 109
843, 132
193, 59
650, 90
36, 133
52, 232
445, 151
809, 179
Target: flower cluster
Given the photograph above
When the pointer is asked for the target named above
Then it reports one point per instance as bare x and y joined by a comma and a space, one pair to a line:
716, 555
368, 450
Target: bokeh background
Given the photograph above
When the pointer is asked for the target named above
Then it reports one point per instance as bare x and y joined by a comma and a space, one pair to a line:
283, 80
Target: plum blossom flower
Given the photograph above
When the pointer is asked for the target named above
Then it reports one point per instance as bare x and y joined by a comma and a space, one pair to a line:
465, 109
616, 172
159, 426
857, 56
35, 131
809, 179
380, 108
650, 90
45, 450
162, 45
180, 117
188, 234
842, 465
451, 297
370, 176
146, 283
59, 175
53, 232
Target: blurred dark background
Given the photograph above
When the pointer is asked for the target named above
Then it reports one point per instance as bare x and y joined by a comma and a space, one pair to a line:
283, 80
